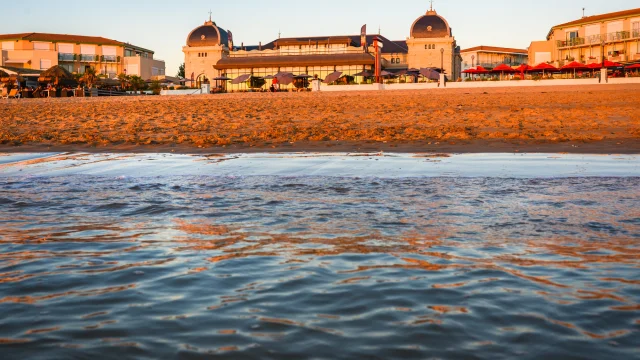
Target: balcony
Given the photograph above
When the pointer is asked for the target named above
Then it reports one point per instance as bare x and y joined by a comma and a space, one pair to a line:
635, 33
88, 58
618, 36
598, 39
572, 42
66, 57
109, 58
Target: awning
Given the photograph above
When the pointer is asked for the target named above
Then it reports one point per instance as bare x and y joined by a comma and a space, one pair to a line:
294, 61
16, 61
240, 79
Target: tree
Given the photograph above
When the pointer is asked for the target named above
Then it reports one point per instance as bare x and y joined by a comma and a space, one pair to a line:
156, 87
90, 77
124, 79
181, 71
137, 83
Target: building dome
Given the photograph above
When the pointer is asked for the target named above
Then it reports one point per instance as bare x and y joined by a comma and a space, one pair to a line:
208, 34
429, 26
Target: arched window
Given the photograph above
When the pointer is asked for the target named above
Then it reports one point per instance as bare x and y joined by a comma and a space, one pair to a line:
397, 60
425, 47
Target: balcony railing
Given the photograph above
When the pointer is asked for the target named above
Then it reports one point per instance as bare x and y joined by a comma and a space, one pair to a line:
66, 57
88, 58
597, 39
296, 52
618, 36
635, 33
572, 42
109, 58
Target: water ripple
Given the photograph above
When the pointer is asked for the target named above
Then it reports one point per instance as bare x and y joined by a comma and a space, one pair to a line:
316, 267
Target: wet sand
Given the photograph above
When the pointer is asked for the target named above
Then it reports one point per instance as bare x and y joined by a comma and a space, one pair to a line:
587, 119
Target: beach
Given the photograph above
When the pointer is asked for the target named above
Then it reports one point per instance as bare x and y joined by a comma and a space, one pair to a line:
583, 119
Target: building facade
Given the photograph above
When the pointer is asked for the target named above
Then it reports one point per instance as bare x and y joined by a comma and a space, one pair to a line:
616, 35
492, 56
76, 53
211, 53
431, 44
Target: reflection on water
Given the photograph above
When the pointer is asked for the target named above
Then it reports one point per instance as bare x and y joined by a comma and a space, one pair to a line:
325, 267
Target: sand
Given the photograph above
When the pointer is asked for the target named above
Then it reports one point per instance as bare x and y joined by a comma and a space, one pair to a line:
592, 119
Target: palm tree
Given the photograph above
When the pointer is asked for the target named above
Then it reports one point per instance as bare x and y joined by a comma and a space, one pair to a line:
124, 79
90, 77
137, 83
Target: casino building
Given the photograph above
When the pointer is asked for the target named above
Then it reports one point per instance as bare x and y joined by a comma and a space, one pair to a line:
210, 53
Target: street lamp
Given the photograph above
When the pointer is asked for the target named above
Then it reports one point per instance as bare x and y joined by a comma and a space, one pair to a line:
442, 60
473, 59
603, 44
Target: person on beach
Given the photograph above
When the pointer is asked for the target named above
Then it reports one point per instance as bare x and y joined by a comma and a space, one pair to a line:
275, 84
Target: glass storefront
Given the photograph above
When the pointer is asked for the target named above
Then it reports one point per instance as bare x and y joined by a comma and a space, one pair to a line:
321, 71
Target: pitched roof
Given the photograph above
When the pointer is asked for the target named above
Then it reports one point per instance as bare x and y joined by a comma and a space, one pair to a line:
601, 17
495, 49
61, 38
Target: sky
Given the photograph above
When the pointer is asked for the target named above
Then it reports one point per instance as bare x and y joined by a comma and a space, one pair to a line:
163, 25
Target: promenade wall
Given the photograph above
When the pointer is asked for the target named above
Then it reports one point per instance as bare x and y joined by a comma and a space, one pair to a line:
476, 84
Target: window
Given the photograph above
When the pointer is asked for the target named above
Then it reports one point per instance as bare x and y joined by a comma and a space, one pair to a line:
397, 60
425, 47
45, 64
635, 28
65, 48
41, 46
87, 49
8, 45
393, 61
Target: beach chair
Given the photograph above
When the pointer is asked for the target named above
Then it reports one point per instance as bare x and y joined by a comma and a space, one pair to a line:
13, 94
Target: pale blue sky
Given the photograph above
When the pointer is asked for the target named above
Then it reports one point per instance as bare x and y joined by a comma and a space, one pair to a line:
163, 25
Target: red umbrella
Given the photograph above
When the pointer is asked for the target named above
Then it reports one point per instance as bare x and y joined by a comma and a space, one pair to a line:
610, 64
470, 71
523, 68
504, 68
481, 70
574, 66
634, 66
544, 67
607, 64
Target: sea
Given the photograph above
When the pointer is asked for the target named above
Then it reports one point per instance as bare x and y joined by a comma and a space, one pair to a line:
319, 256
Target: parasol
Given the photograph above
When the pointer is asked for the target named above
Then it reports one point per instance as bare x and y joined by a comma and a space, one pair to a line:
56, 72
332, 77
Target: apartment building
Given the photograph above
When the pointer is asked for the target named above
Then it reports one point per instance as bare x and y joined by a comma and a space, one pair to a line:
613, 36
492, 56
76, 53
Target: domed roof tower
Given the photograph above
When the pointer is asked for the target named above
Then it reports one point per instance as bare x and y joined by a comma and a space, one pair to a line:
430, 26
208, 34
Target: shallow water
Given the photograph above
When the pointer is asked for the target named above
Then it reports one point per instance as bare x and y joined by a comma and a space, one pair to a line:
320, 267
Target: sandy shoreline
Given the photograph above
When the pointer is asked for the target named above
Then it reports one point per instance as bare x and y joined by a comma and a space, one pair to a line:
585, 119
